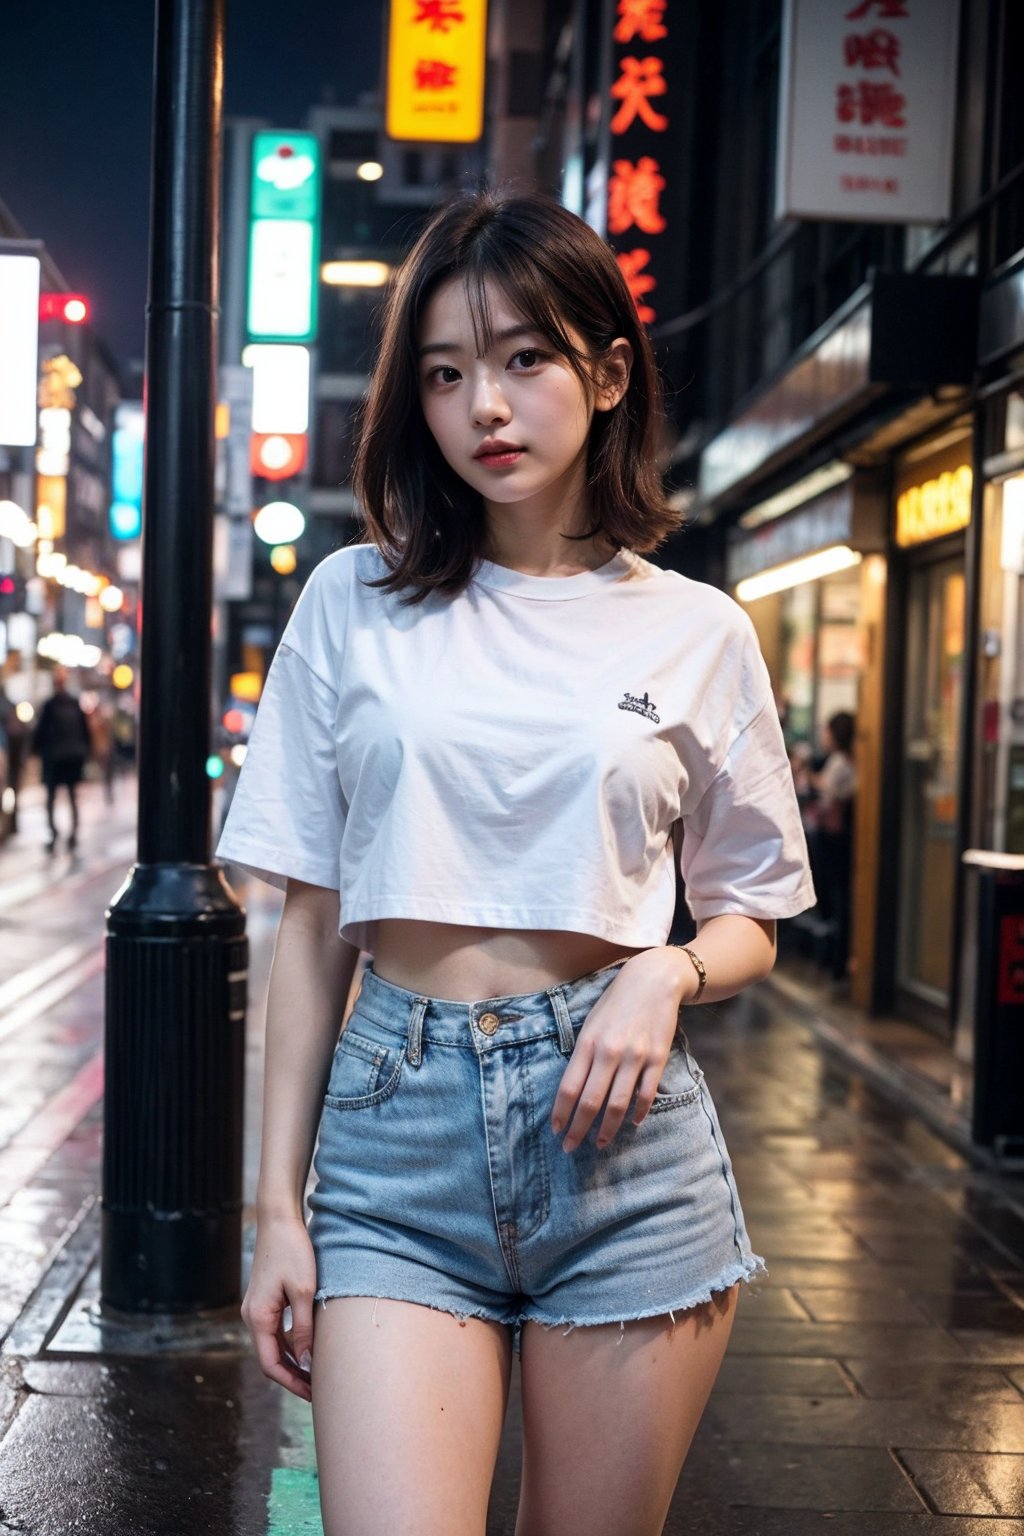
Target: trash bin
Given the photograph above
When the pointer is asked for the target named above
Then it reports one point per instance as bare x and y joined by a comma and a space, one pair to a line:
996, 881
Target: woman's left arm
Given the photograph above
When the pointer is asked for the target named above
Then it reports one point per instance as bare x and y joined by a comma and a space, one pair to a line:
622, 1048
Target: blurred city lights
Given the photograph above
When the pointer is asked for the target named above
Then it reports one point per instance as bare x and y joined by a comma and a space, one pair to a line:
237, 753
233, 721
112, 599
280, 387
355, 274
7, 801
68, 650
214, 766
122, 676
246, 685
25, 712
279, 522
16, 525
284, 559
370, 170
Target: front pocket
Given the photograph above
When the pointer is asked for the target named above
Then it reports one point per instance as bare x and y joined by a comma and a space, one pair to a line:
363, 1071
680, 1082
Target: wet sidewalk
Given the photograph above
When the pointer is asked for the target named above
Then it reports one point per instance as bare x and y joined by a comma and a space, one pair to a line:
876, 1379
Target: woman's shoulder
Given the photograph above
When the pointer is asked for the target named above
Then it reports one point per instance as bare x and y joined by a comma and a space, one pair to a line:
702, 604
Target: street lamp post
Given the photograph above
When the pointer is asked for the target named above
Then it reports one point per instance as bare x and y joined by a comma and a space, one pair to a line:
176, 946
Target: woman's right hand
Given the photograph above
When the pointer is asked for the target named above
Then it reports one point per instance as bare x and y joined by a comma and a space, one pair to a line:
283, 1275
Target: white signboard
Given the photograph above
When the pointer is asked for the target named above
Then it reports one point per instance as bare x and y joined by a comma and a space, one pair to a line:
866, 112
19, 349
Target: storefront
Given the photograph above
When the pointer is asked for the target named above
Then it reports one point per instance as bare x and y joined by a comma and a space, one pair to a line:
932, 493
813, 581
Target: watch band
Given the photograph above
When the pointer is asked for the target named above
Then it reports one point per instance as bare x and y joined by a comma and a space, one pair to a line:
698, 965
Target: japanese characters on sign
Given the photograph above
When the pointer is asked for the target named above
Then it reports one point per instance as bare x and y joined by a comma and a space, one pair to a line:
867, 109
639, 118
436, 52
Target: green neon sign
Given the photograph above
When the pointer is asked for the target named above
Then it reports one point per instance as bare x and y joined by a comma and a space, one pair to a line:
284, 236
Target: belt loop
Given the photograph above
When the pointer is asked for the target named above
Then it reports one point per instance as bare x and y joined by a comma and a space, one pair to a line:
566, 1039
414, 1049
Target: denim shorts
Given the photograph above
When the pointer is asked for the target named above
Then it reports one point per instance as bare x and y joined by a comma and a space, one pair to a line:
440, 1181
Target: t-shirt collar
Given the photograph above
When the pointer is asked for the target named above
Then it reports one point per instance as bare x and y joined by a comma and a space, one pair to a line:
502, 578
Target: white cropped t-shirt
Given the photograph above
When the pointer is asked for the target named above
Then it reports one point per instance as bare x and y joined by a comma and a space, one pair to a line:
517, 756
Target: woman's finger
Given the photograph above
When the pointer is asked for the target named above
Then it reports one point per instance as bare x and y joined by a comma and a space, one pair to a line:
588, 1106
646, 1091
620, 1096
571, 1086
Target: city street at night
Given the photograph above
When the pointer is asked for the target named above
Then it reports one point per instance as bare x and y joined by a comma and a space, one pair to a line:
511, 642
876, 1378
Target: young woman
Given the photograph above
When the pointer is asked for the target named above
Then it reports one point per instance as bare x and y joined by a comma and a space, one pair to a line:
479, 734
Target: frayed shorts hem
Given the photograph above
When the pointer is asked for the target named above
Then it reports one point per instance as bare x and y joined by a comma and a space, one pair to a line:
751, 1269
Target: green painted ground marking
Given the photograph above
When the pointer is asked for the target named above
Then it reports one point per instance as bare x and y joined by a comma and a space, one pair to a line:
294, 1503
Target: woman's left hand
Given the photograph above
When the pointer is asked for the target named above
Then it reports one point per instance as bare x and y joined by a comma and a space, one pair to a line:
623, 1047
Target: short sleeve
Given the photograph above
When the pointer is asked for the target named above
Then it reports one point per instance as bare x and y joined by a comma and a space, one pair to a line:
287, 813
744, 849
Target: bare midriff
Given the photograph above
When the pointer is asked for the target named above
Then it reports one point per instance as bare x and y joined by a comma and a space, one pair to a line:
470, 964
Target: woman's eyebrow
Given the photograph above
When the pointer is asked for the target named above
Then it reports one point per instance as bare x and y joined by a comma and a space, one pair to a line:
506, 335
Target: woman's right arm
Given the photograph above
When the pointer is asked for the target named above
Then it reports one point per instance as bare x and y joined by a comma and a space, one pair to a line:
310, 978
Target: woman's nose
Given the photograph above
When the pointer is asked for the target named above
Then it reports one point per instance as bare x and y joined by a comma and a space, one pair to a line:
488, 404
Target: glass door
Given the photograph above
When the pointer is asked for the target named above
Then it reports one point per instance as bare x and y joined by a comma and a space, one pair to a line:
933, 684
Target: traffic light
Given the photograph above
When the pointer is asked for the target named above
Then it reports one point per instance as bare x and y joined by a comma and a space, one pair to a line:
74, 308
12, 595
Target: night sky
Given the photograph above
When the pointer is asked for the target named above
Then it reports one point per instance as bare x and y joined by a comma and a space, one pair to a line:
75, 121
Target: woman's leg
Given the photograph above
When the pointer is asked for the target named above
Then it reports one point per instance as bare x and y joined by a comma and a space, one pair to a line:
408, 1405
608, 1416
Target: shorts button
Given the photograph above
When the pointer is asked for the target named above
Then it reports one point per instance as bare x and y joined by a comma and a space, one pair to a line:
489, 1023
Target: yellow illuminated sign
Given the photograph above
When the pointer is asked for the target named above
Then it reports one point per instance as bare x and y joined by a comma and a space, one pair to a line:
436, 52
935, 508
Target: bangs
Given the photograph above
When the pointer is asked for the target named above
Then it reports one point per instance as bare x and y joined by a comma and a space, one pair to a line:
531, 287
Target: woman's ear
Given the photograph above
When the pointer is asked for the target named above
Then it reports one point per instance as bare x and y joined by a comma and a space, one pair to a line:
615, 367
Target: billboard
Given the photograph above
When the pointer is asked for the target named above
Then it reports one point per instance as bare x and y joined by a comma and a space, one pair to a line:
866, 110
436, 55
19, 349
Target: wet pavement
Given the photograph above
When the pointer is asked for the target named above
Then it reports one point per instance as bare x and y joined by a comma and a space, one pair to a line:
876, 1379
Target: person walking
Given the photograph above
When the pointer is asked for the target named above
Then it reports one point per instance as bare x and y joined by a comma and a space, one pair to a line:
832, 845
16, 735
61, 739
476, 738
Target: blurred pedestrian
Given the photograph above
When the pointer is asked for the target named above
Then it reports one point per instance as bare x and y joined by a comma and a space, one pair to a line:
101, 740
477, 737
61, 740
835, 785
16, 733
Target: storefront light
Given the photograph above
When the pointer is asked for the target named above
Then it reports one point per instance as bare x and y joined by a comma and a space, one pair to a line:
355, 274
838, 557
1011, 552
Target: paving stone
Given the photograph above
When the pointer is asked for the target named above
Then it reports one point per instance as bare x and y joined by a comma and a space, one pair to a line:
950, 1424
992, 1348
969, 1313
963, 1484
797, 1477
759, 1376
925, 1380
843, 1306
871, 1341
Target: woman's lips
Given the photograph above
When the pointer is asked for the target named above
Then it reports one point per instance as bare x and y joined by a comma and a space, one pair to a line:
501, 458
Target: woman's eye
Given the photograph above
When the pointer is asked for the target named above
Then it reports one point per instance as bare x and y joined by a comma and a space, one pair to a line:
443, 375
528, 358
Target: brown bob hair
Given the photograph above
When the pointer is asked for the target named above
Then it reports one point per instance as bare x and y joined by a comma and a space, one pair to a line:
427, 522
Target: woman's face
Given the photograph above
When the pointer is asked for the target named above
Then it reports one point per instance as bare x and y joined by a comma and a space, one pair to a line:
513, 424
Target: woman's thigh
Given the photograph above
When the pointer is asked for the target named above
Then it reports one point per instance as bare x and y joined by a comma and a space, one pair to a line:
608, 1416
408, 1405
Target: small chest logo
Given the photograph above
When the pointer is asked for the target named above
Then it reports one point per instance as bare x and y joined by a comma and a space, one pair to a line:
642, 706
